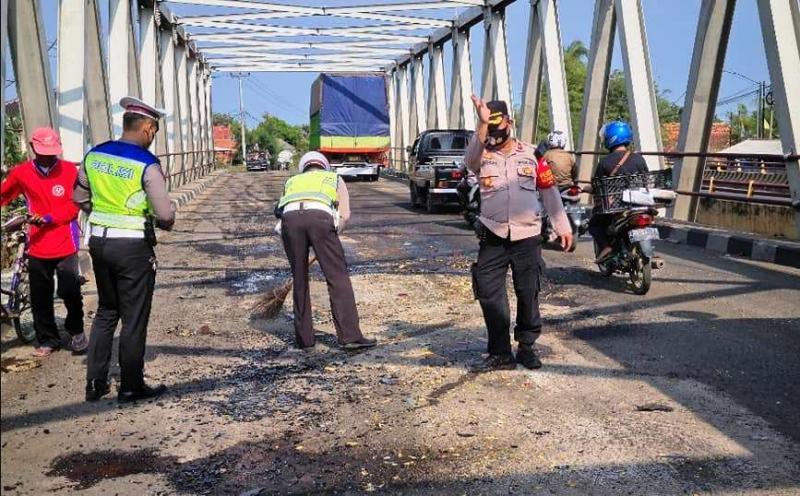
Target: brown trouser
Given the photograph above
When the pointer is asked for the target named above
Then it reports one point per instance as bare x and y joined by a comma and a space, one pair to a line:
301, 230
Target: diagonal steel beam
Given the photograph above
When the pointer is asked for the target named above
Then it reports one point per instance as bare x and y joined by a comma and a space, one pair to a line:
597, 71
532, 82
98, 99
639, 79
437, 101
27, 43
710, 44
71, 63
780, 27
417, 89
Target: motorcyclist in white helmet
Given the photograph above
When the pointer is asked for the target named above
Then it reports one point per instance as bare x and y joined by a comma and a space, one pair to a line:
561, 162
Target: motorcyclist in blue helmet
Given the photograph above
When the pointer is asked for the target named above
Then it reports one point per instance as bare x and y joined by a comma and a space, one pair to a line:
616, 137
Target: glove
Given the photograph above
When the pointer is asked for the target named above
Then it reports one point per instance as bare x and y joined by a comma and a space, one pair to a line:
544, 175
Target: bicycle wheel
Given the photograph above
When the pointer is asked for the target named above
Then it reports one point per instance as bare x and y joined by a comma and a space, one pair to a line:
22, 303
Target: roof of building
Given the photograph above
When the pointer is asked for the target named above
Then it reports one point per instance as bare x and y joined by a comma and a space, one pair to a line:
755, 147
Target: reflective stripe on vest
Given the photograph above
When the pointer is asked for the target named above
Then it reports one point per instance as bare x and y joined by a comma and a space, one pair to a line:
320, 186
118, 198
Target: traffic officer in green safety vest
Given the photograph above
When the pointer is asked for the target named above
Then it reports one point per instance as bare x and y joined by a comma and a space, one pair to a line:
122, 188
314, 207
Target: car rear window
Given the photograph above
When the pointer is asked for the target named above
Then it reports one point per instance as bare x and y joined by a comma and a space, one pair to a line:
447, 141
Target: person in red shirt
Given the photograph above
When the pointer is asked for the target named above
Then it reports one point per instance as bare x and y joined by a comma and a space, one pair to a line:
46, 182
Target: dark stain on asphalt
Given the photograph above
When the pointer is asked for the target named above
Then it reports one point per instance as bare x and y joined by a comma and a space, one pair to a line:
85, 469
436, 395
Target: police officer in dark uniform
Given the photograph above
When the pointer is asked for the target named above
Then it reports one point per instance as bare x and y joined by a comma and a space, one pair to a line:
121, 185
512, 180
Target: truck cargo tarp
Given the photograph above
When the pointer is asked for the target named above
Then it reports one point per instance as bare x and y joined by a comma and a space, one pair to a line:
349, 113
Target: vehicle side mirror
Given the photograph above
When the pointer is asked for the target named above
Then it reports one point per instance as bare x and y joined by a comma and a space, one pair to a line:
409, 148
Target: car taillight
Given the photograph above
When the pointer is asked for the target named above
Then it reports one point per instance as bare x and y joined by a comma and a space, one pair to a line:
642, 220
442, 184
456, 174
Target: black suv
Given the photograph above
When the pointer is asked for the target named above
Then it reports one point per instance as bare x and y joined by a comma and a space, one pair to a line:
436, 158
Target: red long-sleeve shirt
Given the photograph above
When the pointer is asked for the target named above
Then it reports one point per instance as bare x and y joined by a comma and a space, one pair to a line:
48, 194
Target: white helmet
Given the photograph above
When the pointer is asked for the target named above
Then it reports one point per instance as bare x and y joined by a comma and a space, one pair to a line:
310, 159
556, 139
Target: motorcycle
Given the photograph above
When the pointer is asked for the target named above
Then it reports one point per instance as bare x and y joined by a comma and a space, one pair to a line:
571, 197
469, 196
632, 204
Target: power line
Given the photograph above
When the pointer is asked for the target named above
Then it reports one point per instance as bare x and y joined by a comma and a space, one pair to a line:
276, 98
272, 99
743, 93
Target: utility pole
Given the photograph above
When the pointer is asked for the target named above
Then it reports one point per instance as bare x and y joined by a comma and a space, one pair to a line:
240, 76
760, 112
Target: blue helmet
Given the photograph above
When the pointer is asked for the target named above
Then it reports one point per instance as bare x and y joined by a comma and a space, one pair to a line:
616, 133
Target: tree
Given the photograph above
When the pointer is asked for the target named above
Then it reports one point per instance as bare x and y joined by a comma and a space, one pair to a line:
273, 134
13, 152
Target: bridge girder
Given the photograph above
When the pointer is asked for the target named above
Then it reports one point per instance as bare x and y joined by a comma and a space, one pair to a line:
174, 66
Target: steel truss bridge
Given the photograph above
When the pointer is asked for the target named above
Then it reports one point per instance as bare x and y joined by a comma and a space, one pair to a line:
165, 52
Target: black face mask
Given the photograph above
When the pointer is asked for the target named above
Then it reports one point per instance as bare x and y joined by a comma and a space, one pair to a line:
497, 137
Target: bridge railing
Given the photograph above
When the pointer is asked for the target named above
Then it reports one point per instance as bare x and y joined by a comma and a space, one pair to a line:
184, 167
752, 178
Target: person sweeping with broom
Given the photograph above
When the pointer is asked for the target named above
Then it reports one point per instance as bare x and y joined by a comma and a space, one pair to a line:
314, 207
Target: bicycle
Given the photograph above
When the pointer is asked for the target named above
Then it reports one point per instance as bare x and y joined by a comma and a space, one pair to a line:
16, 298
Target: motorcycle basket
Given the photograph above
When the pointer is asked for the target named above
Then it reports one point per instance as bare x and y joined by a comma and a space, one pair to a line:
607, 191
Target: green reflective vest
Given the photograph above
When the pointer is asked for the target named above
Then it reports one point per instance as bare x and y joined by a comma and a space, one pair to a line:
317, 185
118, 196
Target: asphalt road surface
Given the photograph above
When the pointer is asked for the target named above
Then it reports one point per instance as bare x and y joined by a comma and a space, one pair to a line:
693, 388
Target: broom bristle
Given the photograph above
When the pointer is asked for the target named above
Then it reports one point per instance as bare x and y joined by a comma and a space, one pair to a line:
269, 306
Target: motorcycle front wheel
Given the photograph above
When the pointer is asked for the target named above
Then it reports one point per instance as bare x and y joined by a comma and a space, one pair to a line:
641, 275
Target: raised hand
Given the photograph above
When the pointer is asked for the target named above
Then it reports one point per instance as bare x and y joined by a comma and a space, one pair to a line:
481, 109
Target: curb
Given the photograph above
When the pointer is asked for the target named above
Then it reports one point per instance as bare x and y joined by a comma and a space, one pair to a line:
184, 195
726, 243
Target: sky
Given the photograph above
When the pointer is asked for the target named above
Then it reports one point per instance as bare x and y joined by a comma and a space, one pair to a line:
670, 25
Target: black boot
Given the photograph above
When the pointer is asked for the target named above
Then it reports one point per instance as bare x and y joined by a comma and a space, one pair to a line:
145, 392
496, 362
361, 343
527, 357
96, 389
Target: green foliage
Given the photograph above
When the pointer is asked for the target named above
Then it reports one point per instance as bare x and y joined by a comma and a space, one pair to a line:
13, 153
274, 134
575, 67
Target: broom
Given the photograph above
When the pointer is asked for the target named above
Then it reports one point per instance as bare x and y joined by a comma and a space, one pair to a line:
269, 305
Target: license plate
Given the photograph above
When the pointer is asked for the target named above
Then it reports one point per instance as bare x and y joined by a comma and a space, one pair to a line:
643, 234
